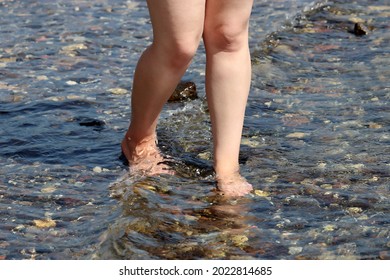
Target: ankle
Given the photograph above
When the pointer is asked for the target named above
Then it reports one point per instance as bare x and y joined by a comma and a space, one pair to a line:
137, 148
226, 171
136, 140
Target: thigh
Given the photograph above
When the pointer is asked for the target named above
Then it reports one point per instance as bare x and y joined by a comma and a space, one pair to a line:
177, 20
231, 14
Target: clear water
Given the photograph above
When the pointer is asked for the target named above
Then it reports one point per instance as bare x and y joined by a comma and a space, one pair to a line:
315, 145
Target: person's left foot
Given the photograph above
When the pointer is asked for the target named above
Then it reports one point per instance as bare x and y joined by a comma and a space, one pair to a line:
233, 185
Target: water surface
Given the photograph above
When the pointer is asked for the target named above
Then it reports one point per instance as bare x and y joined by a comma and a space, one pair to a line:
315, 143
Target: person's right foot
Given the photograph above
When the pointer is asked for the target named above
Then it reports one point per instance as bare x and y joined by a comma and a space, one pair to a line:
144, 156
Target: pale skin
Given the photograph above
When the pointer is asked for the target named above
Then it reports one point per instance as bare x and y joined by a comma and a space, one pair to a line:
178, 27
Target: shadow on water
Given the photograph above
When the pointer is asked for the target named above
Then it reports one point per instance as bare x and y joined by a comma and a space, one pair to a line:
315, 143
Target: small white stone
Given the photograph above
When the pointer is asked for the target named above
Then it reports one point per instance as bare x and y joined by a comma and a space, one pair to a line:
298, 135
71, 83
294, 250
73, 97
118, 91
97, 169
42, 78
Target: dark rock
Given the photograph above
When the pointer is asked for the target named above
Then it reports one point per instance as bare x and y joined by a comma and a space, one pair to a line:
302, 201
70, 202
184, 91
360, 29
86, 121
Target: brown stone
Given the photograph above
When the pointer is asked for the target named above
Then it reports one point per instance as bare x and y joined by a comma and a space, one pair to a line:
294, 120
46, 223
184, 91
360, 29
384, 255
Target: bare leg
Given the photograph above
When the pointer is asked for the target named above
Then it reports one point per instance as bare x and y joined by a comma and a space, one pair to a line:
228, 77
176, 36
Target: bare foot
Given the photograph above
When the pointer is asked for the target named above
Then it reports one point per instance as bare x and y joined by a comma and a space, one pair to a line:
144, 157
233, 185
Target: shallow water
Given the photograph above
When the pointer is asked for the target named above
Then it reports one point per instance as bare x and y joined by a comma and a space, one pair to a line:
315, 144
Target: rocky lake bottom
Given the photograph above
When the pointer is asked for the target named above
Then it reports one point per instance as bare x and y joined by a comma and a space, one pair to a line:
316, 140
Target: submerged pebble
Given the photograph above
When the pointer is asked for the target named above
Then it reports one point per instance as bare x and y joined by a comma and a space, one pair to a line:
297, 135
97, 169
118, 91
46, 223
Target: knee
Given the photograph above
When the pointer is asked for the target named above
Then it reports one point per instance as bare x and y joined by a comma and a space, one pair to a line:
226, 37
178, 54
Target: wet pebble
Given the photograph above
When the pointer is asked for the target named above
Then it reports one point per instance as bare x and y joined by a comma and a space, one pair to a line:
71, 83
329, 228
348, 251
97, 169
71, 50
251, 142
302, 201
239, 240
354, 210
49, 189
46, 223
205, 155
298, 135
118, 91
360, 29
184, 91
262, 193
42, 78
384, 255
295, 250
